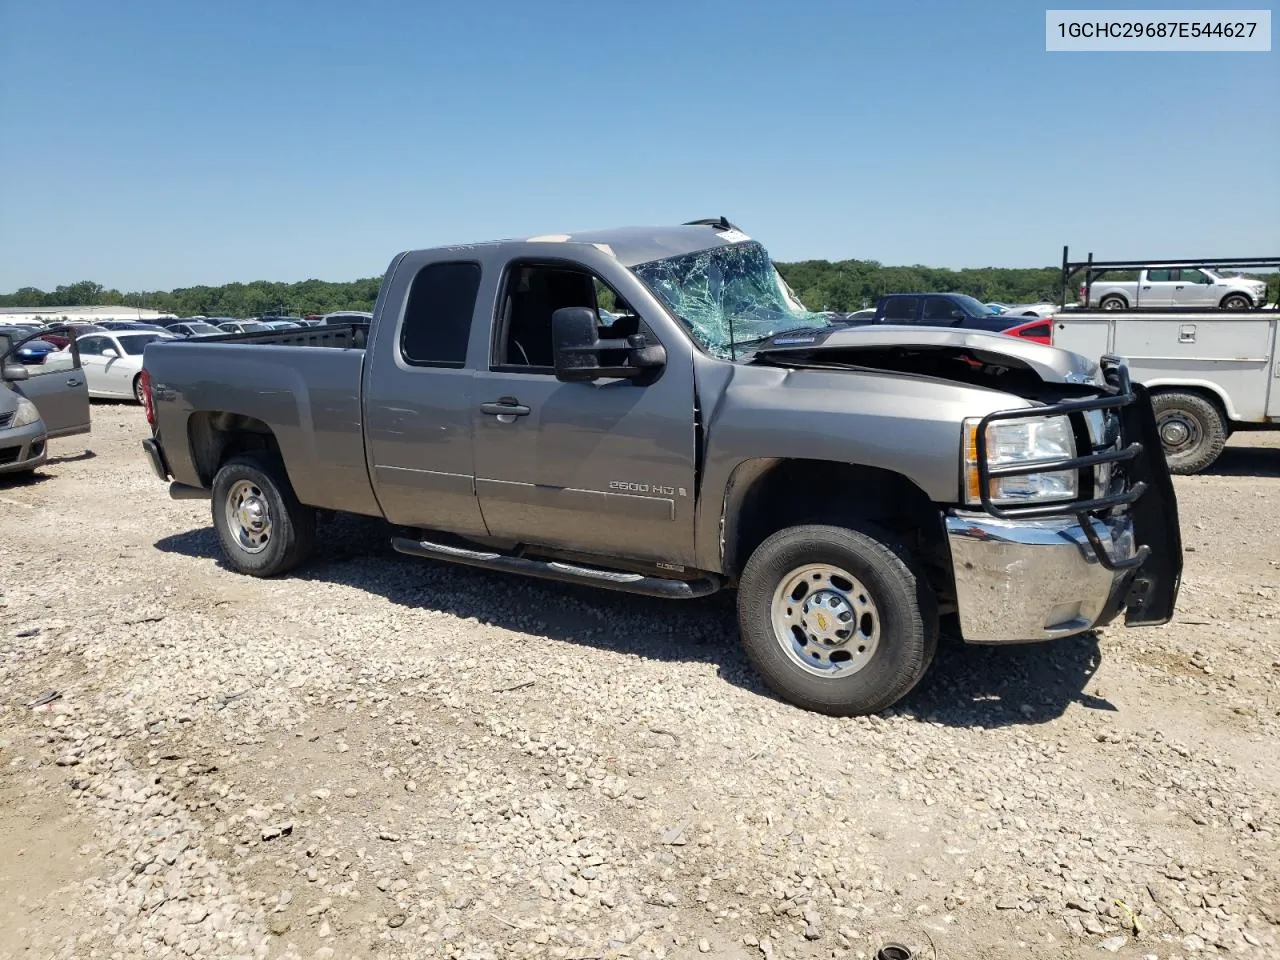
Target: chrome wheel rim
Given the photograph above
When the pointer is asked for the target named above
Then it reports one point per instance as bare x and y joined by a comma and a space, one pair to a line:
1179, 431
825, 620
248, 516
1112, 305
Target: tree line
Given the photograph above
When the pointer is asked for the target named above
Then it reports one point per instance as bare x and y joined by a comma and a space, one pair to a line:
820, 285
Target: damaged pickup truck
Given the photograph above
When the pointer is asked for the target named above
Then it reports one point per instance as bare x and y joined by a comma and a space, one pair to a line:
652, 410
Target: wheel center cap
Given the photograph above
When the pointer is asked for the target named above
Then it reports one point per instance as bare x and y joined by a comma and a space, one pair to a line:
253, 514
1174, 432
828, 616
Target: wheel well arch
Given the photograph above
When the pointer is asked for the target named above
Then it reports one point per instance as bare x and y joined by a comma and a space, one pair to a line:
1113, 295
1232, 295
215, 436
1204, 389
767, 495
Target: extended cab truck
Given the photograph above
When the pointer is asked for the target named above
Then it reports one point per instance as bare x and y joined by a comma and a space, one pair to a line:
852, 483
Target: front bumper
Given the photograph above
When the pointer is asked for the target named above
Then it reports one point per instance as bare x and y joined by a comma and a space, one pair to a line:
1018, 581
23, 448
1038, 571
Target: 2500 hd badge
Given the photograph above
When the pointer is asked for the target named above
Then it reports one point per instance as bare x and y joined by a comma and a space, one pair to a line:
661, 489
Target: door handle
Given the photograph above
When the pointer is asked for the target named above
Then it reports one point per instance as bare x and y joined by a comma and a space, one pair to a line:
506, 407
73, 382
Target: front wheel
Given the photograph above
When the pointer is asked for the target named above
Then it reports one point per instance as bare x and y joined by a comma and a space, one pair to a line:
137, 390
836, 620
262, 527
1237, 301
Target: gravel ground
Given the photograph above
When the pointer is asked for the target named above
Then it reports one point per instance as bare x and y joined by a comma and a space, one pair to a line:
382, 757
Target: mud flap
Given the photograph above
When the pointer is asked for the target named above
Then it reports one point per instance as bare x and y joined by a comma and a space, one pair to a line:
1154, 590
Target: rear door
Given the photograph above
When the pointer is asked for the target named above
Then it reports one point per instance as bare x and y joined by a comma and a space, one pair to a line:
1155, 287
897, 310
58, 390
419, 397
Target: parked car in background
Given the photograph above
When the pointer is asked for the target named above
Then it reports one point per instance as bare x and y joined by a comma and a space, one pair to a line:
193, 328
1175, 287
1039, 309
242, 326
940, 310
60, 334
36, 403
345, 317
112, 362
31, 351
129, 325
23, 437
293, 323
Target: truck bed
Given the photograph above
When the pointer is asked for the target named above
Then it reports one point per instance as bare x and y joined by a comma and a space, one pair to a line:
308, 399
342, 337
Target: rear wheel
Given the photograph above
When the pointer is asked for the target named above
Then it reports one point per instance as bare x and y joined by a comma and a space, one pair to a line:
137, 390
836, 620
1191, 431
1236, 301
1114, 302
262, 527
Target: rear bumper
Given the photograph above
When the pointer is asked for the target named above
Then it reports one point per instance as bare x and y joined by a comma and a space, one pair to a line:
1019, 581
23, 448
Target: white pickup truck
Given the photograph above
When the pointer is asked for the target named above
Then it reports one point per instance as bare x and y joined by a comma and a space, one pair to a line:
1174, 286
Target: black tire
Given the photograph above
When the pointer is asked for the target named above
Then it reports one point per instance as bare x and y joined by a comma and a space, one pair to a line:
1236, 301
292, 527
1189, 415
1114, 302
137, 390
904, 603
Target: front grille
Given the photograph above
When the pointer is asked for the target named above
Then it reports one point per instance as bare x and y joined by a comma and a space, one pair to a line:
5, 418
9, 455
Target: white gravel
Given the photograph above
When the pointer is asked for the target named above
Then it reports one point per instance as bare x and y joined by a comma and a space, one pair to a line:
381, 757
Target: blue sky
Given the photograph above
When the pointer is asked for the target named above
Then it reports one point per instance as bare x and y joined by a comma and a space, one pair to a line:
153, 144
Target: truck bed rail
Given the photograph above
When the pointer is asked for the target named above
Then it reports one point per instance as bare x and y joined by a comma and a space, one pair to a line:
346, 336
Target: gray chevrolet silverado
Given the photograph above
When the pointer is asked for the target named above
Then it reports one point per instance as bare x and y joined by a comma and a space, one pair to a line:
652, 410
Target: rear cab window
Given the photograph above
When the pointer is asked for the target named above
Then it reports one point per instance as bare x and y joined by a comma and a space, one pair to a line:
438, 313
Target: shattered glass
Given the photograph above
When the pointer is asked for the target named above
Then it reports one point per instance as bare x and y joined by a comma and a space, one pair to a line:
730, 298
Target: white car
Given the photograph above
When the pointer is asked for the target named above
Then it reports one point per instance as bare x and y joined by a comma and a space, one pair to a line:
1041, 309
112, 361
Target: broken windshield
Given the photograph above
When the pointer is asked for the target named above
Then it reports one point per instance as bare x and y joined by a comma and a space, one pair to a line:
728, 297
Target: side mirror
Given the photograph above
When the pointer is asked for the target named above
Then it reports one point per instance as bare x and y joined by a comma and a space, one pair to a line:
15, 371
110, 354
580, 355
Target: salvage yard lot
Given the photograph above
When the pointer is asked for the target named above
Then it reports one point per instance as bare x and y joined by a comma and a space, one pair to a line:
377, 757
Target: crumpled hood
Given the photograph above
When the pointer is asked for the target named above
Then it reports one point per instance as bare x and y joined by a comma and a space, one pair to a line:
859, 345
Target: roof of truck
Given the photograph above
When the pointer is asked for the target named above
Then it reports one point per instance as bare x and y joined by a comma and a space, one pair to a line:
635, 245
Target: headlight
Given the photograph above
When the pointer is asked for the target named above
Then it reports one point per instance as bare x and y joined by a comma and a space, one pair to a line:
27, 414
1023, 443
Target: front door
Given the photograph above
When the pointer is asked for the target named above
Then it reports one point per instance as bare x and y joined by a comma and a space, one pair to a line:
57, 387
602, 468
1193, 289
